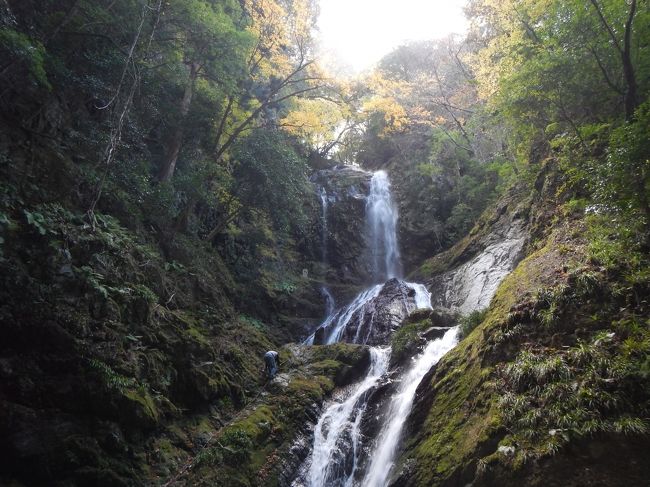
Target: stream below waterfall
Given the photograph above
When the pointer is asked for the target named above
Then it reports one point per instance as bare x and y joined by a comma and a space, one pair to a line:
342, 455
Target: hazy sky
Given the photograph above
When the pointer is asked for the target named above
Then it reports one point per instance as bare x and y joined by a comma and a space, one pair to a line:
358, 33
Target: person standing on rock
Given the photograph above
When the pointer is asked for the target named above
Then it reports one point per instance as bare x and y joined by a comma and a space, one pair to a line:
271, 363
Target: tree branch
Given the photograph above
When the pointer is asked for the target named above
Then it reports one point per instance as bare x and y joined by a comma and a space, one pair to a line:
606, 25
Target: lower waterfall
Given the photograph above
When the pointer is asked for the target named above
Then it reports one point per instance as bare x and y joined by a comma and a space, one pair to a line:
382, 457
335, 452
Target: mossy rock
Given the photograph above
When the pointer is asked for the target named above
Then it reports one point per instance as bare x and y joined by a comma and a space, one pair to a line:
308, 375
138, 409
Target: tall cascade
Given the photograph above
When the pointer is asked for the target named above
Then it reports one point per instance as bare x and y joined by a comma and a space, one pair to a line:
341, 455
382, 220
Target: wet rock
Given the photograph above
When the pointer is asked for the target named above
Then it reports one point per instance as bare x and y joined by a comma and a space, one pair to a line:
375, 414
374, 322
471, 285
419, 328
300, 448
346, 189
438, 317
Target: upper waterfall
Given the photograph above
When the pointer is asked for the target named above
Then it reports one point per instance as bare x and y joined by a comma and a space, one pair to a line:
382, 215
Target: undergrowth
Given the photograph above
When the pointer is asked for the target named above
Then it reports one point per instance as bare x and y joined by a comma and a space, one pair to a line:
592, 376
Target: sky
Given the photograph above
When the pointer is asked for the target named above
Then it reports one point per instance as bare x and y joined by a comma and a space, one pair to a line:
355, 34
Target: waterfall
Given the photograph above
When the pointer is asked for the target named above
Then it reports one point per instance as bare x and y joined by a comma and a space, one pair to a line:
338, 444
329, 299
382, 221
334, 457
324, 205
383, 455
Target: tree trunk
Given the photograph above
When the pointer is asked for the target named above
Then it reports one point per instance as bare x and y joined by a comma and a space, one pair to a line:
175, 140
631, 99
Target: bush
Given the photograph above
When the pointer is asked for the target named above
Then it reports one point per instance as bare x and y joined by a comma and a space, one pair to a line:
471, 321
236, 446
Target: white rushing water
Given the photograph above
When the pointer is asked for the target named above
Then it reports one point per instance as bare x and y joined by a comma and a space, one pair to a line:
338, 320
335, 453
382, 220
329, 299
330, 304
342, 318
382, 458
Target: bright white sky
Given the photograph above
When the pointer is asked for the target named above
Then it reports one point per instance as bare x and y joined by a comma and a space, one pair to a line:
355, 34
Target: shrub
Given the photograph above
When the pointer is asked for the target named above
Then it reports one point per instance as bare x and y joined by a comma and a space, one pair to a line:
471, 321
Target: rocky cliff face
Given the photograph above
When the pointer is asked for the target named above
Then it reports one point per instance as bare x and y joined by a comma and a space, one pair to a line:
471, 285
346, 259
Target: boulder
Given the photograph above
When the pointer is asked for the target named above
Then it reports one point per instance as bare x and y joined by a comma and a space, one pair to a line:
374, 317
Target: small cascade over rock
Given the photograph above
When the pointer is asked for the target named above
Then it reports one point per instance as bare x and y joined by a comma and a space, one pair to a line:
327, 295
374, 314
324, 205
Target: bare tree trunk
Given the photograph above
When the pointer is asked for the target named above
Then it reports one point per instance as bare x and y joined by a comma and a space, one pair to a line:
175, 140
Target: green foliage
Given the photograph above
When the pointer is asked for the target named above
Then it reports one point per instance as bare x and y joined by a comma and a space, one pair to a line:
470, 321
551, 396
250, 321
209, 457
235, 446
37, 220
618, 244
266, 159
549, 68
625, 179
110, 378
619, 181
23, 49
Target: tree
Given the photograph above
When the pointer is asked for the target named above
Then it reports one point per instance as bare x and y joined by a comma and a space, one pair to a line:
268, 176
558, 62
207, 39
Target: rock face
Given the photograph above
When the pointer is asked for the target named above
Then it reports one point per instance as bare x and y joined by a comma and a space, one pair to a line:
345, 189
382, 315
471, 286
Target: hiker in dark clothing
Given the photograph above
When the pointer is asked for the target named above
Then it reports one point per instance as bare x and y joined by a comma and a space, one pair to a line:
271, 363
